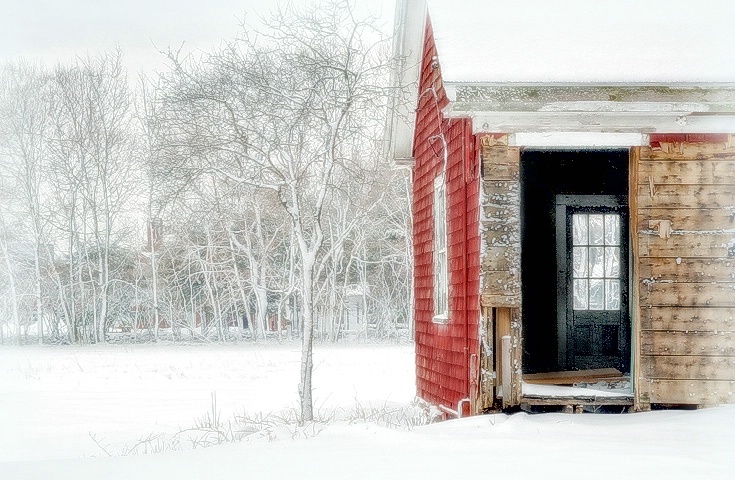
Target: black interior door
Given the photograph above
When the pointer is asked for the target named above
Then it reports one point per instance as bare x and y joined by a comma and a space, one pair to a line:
592, 256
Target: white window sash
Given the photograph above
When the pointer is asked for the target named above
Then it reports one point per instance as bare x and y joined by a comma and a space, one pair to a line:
441, 273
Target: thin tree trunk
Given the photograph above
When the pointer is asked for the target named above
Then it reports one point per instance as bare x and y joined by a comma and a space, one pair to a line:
240, 289
13, 291
154, 275
307, 346
39, 305
104, 282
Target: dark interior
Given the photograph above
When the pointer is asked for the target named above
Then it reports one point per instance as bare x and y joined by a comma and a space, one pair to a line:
545, 174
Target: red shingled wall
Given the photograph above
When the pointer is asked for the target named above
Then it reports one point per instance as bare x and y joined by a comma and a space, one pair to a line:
443, 351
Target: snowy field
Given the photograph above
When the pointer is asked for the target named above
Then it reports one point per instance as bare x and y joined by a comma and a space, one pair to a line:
65, 410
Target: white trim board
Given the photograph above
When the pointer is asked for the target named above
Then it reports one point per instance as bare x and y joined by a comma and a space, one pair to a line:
612, 122
574, 140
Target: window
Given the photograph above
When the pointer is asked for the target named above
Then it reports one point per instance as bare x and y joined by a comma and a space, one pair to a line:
596, 261
441, 290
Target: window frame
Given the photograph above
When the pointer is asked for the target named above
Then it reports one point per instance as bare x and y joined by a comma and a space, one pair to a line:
441, 251
606, 246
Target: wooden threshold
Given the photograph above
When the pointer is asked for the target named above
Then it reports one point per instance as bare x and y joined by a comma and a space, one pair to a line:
571, 377
626, 400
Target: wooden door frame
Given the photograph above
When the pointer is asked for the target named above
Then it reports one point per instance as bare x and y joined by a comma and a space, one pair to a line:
562, 203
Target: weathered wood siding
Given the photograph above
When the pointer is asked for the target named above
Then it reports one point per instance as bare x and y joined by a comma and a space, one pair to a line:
500, 224
501, 262
447, 367
686, 277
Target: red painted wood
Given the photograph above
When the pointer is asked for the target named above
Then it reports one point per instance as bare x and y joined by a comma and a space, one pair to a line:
657, 138
443, 351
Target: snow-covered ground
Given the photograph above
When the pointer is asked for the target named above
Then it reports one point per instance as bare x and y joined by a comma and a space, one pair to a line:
54, 400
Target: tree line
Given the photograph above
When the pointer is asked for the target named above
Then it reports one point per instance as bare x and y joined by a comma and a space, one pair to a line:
239, 193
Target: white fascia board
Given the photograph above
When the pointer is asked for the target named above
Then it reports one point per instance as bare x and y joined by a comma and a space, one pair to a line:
612, 122
573, 140
410, 23
450, 89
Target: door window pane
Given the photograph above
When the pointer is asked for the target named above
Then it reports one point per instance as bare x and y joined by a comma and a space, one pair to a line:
612, 262
612, 229
597, 262
597, 294
580, 294
580, 262
612, 294
597, 229
579, 229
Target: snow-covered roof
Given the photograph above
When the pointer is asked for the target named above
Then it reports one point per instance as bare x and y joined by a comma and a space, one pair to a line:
584, 41
607, 72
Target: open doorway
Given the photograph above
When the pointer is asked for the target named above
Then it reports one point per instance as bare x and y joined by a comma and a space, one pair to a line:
574, 260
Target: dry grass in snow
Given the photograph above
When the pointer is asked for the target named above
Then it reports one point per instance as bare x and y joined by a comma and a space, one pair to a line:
64, 409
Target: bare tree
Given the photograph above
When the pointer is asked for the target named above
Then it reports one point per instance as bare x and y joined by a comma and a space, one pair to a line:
24, 89
255, 167
281, 111
94, 162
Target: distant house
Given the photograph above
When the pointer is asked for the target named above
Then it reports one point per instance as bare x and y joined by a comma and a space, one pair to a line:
564, 233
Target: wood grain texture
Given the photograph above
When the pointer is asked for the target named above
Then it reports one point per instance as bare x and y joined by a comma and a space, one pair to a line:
720, 344
640, 395
689, 270
490, 300
506, 236
694, 244
501, 192
487, 360
689, 219
500, 163
686, 196
688, 294
502, 328
688, 367
516, 355
501, 282
501, 259
688, 319
685, 283
571, 377
699, 172
693, 392
692, 151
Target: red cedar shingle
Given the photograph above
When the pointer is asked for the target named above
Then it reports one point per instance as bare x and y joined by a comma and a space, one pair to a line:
442, 362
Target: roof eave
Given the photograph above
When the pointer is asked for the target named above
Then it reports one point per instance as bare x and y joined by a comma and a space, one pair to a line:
410, 22
610, 107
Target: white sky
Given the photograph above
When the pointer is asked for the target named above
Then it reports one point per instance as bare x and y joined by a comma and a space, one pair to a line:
518, 40
58, 30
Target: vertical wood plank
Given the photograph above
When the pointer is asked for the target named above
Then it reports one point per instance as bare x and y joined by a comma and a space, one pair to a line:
683, 283
487, 360
641, 388
501, 288
507, 369
516, 356
502, 329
